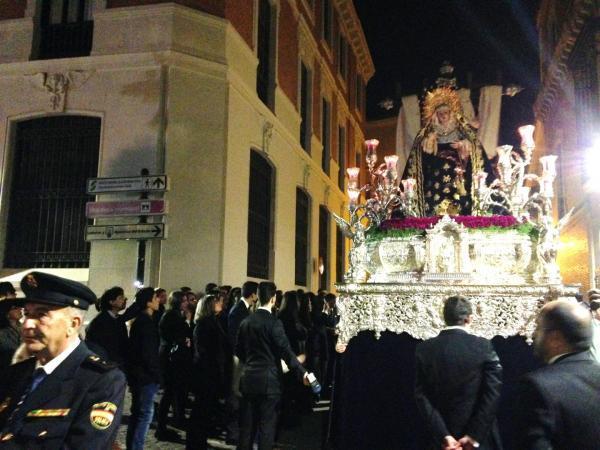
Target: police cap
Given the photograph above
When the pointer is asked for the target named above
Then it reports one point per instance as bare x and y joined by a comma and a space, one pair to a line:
49, 289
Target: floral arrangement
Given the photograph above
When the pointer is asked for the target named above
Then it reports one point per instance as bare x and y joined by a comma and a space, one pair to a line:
411, 226
423, 223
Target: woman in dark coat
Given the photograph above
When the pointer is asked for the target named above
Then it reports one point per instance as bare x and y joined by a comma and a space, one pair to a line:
175, 362
295, 397
106, 334
212, 359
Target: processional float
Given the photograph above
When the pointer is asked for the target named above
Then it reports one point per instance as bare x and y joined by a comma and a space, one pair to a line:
503, 257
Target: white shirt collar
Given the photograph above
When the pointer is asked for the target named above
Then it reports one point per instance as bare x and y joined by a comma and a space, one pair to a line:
246, 303
51, 365
112, 314
456, 327
554, 358
266, 308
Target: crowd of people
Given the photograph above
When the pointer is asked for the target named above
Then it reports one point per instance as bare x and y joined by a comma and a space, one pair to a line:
239, 357
212, 352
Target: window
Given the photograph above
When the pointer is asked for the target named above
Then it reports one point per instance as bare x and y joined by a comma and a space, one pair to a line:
342, 157
302, 237
340, 255
305, 107
358, 159
323, 247
265, 79
359, 93
326, 136
343, 57
328, 22
66, 29
53, 158
260, 210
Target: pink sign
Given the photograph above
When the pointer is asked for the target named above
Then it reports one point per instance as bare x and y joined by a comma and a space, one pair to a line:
125, 208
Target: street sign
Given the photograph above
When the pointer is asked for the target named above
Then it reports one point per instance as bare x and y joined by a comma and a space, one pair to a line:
139, 231
125, 208
154, 183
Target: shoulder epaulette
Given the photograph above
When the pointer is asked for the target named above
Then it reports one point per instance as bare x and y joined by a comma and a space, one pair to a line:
98, 363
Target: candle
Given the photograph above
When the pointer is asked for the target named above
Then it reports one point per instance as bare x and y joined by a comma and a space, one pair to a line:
548, 163
352, 176
390, 162
353, 193
409, 185
546, 188
504, 152
481, 178
524, 193
526, 132
371, 145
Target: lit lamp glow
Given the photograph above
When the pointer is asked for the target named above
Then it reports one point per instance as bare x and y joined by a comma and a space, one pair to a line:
352, 176
371, 145
548, 163
409, 185
526, 132
353, 193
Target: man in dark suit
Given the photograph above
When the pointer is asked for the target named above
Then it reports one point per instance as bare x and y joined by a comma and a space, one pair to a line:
64, 396
458, 384
238, 313
261, 346
559, 404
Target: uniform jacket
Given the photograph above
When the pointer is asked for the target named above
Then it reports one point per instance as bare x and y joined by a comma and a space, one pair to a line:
261, 345
559, 405
457, 387
78, 406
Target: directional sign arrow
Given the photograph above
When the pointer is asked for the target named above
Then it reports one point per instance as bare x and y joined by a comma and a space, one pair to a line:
137, 231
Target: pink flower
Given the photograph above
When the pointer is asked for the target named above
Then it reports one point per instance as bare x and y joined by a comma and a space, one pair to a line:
423, 223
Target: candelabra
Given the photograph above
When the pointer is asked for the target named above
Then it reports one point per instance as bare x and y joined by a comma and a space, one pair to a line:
384, 194
509, 194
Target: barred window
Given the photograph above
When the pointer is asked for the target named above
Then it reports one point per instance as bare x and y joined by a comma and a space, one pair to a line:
53, 158
260, 212
66, 29
323, 247
302, 237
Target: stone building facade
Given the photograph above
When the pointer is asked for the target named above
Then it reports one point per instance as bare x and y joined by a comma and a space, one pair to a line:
252, 108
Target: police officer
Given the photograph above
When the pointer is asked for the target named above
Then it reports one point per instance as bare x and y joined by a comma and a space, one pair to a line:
63, 396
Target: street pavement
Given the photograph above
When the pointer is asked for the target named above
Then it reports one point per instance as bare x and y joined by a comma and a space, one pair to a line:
306, 435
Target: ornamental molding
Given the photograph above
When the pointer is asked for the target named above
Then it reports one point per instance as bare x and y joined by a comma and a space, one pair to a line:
356, 37
57, 85
582, 11
416, 308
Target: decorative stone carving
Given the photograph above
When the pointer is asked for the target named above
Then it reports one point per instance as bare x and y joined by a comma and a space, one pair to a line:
58, 85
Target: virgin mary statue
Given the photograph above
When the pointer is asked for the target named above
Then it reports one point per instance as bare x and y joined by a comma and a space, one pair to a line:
445, 157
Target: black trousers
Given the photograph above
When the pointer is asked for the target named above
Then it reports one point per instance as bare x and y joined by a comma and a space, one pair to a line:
258, 413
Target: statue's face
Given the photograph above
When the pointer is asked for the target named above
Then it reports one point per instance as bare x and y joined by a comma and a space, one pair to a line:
443, 115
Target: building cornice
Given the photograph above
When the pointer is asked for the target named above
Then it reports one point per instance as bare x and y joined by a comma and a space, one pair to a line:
581, 12
356, 37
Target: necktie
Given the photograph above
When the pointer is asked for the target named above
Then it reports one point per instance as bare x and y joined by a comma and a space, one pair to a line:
36, 378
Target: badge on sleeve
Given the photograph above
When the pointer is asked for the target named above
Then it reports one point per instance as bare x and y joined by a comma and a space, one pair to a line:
102, 415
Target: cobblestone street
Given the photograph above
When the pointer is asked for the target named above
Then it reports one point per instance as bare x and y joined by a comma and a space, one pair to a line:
307, 435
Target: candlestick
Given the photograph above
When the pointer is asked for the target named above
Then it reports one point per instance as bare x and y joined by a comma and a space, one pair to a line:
352, 176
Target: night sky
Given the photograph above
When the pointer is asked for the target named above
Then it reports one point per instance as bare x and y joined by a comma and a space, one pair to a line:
490, 39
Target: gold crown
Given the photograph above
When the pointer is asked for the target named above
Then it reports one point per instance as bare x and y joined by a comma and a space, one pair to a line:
441, 96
